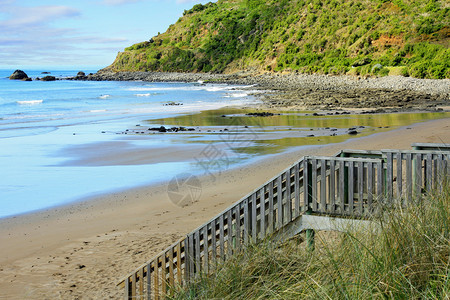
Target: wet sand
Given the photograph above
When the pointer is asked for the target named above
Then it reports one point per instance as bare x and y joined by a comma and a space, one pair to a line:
82, 250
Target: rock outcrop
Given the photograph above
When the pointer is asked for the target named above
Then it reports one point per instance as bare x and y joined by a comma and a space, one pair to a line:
18, 75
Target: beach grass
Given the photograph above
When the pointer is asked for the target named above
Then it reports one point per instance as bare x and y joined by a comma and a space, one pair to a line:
405, 256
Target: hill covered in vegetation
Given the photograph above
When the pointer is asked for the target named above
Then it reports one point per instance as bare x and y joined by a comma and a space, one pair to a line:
407, 37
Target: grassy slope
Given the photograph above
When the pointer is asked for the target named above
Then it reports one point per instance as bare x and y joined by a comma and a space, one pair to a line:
308, 36
407, 258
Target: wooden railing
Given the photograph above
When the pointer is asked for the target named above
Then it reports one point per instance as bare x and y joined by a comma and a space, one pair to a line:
333, 186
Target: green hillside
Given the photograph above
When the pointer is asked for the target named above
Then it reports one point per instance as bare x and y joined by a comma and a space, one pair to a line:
407, 37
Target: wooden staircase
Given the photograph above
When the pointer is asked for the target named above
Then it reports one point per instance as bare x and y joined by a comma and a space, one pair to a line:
354, 184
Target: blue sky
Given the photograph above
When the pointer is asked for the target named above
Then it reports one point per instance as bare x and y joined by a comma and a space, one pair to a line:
79, 33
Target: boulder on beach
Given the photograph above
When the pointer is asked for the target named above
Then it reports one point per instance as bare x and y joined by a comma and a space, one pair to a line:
18, 75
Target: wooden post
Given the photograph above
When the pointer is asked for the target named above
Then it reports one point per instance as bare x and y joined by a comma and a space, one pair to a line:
310, 245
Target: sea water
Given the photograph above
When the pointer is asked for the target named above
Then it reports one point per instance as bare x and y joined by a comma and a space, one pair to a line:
38, 120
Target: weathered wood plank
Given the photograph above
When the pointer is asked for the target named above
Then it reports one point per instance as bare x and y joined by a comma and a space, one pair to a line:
149, 281
156, 279
221, 237
288, 215
230, 232
332, 187
254, 221
399, 174
429, 177
342, 189
279, 203
314, 184
198, 264
306, 182
323, 180
127, 289
389, 176
361, 184
418, 174
205, 249
214, 242
262, 197
246, 222
380, 180
409, 180
370, 182
297, 191
351, 178
270, 218
237, 213
179, 270
133, 286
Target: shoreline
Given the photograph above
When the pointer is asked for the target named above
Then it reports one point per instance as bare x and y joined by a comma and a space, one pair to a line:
294, 91
86, 247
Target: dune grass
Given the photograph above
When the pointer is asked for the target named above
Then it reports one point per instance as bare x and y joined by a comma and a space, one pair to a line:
406, 256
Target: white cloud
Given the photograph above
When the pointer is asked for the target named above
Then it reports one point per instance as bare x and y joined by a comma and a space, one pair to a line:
27, 16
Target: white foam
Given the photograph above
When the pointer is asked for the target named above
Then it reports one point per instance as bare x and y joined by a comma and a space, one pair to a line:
29, 102
97, 110
142, 95
236, 95
104, 96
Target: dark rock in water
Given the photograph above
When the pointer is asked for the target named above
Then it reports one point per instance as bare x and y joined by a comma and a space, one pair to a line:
45, 72
261, 114
353, 132
162, 129
223, 116
48, 78
18, 75
310, 135
27, 79
81, 74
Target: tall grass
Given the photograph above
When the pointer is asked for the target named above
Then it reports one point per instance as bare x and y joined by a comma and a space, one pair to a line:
405, 256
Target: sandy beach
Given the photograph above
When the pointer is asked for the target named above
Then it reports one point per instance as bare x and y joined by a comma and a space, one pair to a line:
81, 251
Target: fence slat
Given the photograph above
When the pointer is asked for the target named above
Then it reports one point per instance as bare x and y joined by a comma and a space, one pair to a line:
314, 184
246, 222
297, 191
342, 181
237, 213
332, 187
254, 229
288, 218
409, 181
360, 187
418, 174
389, 177
230, 232
205, 249
149, 281
270, 218
179, 271
429, 178
133, 286
279, 203
262, 197
323, 180
221, 237
351, 184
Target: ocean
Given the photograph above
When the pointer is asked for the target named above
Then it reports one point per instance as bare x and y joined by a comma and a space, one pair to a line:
42, 124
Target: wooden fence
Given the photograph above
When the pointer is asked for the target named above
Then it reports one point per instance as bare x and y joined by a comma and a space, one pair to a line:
353, 184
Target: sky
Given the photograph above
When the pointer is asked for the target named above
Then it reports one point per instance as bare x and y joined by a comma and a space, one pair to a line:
61, 33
